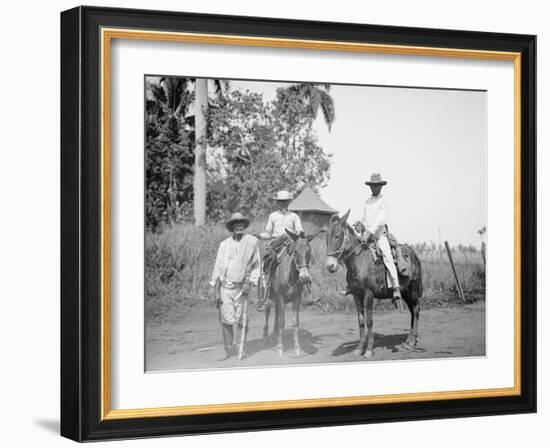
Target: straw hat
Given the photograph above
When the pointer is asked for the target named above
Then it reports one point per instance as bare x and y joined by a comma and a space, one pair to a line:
236, 217
375, 179
283, 195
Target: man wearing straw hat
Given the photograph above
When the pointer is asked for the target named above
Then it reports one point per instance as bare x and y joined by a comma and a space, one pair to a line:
375, 221
278, 221
236, 270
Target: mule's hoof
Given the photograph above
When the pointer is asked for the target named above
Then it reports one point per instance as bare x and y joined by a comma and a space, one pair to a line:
357, 353
280, 351
368, 354
412, 347
298, 352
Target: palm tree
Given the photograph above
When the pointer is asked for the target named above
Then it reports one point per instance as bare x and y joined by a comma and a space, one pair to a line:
201, 114
172, 96
315, 96
199, 183
169, 100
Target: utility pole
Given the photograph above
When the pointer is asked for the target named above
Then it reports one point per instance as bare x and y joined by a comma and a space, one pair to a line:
439, 242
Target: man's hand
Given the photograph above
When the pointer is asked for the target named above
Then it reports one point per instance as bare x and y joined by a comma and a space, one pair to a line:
366, 237
256, 235
246, 288
216, 295
359, 227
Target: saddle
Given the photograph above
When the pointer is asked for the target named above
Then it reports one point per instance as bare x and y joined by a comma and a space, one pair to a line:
272, 257
275, 252
400, 257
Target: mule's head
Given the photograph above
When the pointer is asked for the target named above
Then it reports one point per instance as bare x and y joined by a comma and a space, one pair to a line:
336, 233
302, 254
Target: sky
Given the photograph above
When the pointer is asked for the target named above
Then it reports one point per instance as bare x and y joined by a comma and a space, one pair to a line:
430, 146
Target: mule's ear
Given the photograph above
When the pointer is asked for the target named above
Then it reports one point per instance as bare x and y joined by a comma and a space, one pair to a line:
345, 217
313, 235
291, 235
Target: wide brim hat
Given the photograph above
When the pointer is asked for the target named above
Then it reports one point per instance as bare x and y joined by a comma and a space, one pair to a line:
283, 195
236, 217
375, 179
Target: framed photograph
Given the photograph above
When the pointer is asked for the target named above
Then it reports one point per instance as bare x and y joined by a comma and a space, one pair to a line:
273, 224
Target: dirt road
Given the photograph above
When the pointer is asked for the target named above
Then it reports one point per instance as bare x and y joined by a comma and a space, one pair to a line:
195, 342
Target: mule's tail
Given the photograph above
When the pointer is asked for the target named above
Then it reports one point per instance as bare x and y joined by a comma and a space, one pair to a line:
420, 282
416, 265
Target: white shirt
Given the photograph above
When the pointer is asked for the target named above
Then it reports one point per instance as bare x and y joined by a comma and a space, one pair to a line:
375, 215
236, 260
279, 221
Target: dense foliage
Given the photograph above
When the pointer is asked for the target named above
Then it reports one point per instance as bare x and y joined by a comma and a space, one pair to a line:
254, 148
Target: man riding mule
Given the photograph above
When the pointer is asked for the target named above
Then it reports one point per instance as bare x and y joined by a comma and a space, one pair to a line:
366, 277
287, 280
375, 226
278, 222
236, 270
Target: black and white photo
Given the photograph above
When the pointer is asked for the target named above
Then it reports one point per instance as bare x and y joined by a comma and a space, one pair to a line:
307, 223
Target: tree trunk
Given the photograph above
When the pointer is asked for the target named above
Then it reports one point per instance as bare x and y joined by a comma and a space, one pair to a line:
199, 187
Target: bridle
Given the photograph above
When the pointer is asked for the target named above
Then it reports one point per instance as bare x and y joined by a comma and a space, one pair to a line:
307, 265
341, 252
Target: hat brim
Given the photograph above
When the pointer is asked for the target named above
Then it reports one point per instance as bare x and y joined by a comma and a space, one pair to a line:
229, 224
382, 182
281, 199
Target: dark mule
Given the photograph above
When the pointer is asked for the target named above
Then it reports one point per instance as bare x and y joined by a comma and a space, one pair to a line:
366, 280
286, 285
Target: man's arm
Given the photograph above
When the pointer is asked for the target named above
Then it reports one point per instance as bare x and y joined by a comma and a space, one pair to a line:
252, 270
379, 224
268, 229
255, 266
217, 271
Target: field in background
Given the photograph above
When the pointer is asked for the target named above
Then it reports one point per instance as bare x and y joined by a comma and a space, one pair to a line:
179, 262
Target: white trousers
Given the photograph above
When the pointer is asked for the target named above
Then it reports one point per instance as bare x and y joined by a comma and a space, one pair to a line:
232, 306
384, 245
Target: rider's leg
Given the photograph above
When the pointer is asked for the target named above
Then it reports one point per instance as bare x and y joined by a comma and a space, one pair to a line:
390, 264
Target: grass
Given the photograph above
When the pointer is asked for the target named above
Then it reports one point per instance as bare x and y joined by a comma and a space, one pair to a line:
179, 262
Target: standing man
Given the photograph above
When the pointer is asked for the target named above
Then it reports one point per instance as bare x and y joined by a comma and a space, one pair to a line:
236, 270
278, 221
375, 220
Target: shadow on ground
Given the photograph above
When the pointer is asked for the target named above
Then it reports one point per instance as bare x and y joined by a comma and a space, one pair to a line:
389, 342
307, 343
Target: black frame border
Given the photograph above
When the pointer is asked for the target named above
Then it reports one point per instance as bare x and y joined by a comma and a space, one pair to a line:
81, 223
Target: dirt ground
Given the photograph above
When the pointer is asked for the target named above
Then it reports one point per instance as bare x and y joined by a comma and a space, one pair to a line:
195, 342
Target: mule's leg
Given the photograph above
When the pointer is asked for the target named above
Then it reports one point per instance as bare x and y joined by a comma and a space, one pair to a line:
280, 324
276, 327
266, 325
369, 311
361, 322
407, 298
411, 299
415, 317
296, 323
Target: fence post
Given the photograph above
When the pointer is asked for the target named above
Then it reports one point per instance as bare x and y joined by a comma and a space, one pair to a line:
460, 292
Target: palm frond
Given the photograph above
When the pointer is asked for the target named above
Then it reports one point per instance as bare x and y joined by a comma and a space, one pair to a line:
327, 105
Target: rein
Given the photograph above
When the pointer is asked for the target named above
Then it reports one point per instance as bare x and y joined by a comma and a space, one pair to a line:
341, 252
298, 266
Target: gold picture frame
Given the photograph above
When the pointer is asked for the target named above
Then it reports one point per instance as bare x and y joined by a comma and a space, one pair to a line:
109, 25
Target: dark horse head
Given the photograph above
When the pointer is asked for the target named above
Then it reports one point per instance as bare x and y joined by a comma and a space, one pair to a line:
301, 254
337, 241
